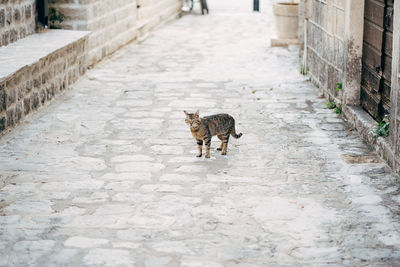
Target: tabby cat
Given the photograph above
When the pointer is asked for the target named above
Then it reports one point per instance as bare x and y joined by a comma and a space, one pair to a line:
221, 125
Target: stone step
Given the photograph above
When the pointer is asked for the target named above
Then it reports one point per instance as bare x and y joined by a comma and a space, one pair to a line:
36, 68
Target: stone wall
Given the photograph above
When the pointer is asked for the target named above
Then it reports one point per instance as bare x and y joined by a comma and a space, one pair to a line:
333, 50
325, 43
17, 20
395, 93
157, 11
43, 75
114, 23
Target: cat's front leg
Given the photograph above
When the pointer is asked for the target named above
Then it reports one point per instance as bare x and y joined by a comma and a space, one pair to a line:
207, 142
200, 148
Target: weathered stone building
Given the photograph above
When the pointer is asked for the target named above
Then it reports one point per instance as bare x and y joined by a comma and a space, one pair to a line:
114, 23
351, 49
36, 66
17, 20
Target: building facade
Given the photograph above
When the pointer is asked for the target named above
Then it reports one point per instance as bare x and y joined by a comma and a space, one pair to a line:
350, 49
114, 23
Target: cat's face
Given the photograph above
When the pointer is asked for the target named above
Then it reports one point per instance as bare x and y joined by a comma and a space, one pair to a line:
192, 119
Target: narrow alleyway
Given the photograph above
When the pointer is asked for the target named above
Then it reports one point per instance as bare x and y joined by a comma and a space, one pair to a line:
107, 175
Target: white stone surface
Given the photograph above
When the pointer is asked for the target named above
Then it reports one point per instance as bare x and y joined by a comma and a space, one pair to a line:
109, 257
85, 242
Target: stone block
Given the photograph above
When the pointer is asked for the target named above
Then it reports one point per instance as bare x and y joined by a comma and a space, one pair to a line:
388, 155
397, 165
51, 90
73, 12
331, 21
19, 111
13, 35
323, 15
43, 95
35, 70
20, 91
3, 123
5, 38
3, 100
324, 45
340, 4
28, 86
398, 105
45, 77
2, 18
37, 81
11, 96
332, 79
10, 117
340, 55
22, 33
9, 16
17, 15
397, 148
27, 105
331, 47
340, 19
323, 74
35, 101
28, 12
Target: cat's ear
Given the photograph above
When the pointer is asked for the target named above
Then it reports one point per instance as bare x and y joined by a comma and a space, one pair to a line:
197, 113
186, 112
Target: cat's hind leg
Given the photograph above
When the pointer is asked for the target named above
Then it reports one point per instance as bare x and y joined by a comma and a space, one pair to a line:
225, 140
200, 148
207, 142
220, 138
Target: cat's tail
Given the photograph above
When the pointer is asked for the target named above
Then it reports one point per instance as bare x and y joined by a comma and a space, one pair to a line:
233, 132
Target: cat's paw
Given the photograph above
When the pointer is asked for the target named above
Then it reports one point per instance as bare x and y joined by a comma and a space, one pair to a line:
199, 155
207, 156
219, 149
223, 153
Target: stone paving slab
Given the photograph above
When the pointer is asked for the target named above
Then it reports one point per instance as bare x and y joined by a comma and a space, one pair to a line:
107, 175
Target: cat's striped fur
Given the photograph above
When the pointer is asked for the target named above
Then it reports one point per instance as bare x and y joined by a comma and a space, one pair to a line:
203, 129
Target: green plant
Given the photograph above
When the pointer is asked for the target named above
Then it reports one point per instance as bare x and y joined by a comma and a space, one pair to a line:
303, 70
56, 17
338, 86
382, 129
331, 105
338, 108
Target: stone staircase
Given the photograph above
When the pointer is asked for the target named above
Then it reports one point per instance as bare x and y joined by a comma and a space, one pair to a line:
35, 69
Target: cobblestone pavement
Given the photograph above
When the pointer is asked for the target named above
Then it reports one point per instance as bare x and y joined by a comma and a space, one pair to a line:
107, 175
